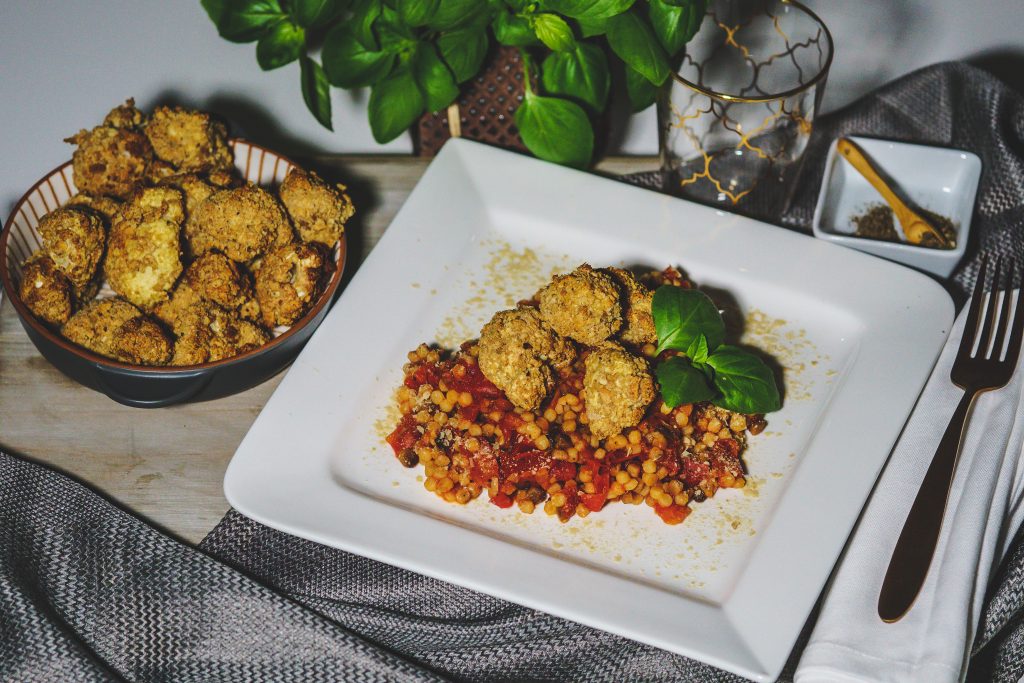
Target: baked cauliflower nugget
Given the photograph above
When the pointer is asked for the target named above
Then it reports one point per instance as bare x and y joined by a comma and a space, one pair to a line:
141, 341
111, 159
520, 354
217, 278
583, 305
74, 238
288, 282
116, 329
318, 210
144, 250
638, 323
209, 333
189, 140
242, 223
619, 388
45, 290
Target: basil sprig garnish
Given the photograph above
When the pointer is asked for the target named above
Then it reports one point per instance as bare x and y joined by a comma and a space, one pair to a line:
687, 321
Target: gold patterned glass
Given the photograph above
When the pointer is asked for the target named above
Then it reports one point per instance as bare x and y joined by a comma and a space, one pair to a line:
736, 118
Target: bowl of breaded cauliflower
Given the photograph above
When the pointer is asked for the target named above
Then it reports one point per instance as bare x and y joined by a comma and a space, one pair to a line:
168, 263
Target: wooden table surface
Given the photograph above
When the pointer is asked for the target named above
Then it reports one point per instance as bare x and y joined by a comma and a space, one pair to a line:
167, 465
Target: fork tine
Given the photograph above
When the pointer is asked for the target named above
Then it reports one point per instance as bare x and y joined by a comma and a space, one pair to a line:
971, 326
1004, 314
989, 321
1017, 330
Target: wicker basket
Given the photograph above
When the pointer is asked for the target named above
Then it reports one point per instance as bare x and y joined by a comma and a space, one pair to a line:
484, 110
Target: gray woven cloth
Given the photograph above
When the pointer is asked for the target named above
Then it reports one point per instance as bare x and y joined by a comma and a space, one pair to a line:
90, 593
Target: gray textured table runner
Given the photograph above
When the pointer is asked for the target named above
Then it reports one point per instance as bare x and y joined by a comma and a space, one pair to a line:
89, 592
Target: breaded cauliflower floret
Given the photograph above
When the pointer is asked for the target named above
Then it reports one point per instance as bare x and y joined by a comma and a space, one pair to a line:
289, 281
109, 161
192, 186
583, 305
217, 278
93, 327
125, 116
172, 311
619, 388
242, 223
318, 210
209, 333
157, 171
106, 207
189, 140
519, 352
74, 238
144, 251
141, 341
45, 290
638, 324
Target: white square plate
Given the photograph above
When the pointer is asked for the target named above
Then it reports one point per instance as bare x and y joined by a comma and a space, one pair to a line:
731, 586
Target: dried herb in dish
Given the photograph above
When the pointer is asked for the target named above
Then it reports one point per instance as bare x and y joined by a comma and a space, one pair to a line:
879, 223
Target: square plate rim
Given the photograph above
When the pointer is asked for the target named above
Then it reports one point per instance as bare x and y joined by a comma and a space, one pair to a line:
460, 152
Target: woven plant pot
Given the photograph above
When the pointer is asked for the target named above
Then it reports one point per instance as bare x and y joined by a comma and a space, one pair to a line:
484, 110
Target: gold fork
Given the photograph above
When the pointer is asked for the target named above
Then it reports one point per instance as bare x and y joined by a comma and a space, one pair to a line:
976, 372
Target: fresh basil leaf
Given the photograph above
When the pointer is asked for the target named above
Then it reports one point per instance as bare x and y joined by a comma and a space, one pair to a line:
746, 383
555, 129
513, 30
682, 315
697, 351
283, 44
553, 31
433, 78
675, 25
243, 21
642, 93
364, 14
316, 91
587, 9
214, 9
682, 383
633, 40
592, 27
416, 12
457, 13
581, 74
463, 51
347, 62
395, 104
394, 36
313, 13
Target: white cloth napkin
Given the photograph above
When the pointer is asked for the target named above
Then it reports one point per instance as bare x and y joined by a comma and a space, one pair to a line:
986, 506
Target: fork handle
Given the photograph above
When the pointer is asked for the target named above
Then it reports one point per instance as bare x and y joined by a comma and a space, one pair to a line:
913, 553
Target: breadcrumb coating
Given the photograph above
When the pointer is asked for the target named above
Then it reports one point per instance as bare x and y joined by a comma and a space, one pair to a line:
93, 327
109, 161
209, 333
171, 311
583, 305
45, 290
519, 353
289, 281
125, 116
638, 324
106, 207
144, 250
318, 210
618, 386
189, 140
217, 278
242, 223
74, 238
141, 341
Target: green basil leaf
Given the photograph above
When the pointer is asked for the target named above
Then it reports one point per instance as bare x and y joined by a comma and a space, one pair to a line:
642, 93
316, 91
416, 12
581, 74
243, 21
283, 44
463, 51
682, 383
675, 25
347, 62
313, 13
510, 29
592, 27
364, 14
458, 13
555, 130
433, 78
214, 9
395, 104
633, 40
697, 351
587, 9
746, 383
553, 31
682, 315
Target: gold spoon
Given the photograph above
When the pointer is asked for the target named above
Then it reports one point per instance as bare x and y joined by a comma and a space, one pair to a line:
915, 226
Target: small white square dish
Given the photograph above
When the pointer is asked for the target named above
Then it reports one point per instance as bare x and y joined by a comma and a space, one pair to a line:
943, 181
856, 338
